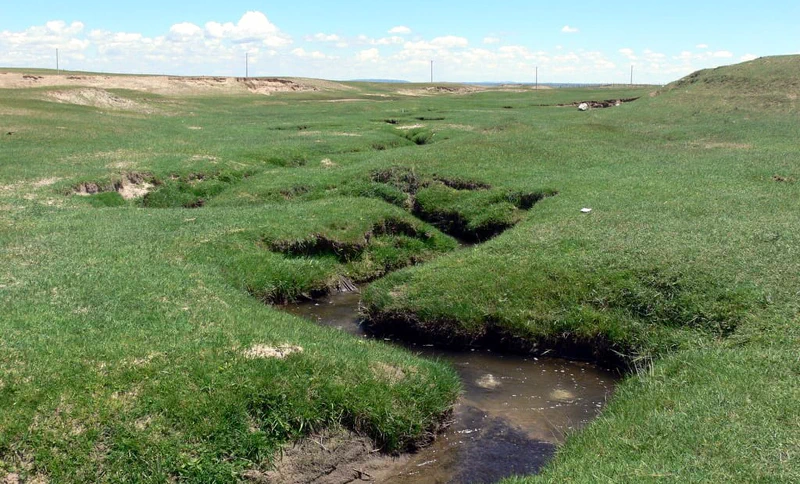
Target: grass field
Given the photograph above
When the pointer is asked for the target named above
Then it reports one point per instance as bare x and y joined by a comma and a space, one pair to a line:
135, 345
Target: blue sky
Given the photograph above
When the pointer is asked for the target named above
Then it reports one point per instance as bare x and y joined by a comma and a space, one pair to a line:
576, 41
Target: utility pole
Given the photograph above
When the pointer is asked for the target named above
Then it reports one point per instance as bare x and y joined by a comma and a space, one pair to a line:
537, 78
631, 74
58, 70
431, 72
246, 65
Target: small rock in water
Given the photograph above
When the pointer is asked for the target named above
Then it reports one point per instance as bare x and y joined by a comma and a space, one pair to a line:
561, 395
488, 381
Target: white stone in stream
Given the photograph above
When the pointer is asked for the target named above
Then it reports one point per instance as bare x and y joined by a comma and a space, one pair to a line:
488, 381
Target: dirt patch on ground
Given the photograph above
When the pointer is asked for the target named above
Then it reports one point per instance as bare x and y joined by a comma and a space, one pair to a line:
453, 89
261, 351
267, 86
329, 458
608, 103
433, 90
390, 373
171, 85
459, 127
710, 145
130, 186
24, 185
98, 98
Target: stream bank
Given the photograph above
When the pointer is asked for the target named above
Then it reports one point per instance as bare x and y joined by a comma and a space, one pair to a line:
513, 413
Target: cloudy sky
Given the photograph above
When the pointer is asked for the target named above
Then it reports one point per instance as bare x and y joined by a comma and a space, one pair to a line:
578, 41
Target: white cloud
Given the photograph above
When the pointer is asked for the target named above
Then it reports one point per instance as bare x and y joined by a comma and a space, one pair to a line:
701, 46
629, 53
252, 27
185, 31
369, 55
449, 42
569, 30
218, 48
320, 37
396, 40
748, 57
303, 54
400, 30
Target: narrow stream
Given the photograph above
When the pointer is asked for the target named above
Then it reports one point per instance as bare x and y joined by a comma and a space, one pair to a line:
513, 413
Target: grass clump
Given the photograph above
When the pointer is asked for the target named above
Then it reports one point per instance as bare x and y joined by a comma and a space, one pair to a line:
192, 190
419, 136
304, 250
107, 199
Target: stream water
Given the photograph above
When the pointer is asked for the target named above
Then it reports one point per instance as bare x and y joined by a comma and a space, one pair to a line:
513, 413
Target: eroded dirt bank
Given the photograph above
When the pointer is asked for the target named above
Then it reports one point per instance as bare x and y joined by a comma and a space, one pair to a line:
168, 85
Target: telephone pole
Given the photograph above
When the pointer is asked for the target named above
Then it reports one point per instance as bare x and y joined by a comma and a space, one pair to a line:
431, 72
537, 78
631, 74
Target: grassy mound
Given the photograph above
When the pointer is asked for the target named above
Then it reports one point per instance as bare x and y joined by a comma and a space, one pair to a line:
764, 83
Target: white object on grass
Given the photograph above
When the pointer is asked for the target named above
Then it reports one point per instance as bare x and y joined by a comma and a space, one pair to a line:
586, 210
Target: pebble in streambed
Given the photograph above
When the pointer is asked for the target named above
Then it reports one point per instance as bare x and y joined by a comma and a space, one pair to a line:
513, 413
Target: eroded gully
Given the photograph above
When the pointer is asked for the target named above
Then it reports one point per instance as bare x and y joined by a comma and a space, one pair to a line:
513, 413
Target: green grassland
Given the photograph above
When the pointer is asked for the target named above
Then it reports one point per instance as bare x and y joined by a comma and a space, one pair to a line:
131, 328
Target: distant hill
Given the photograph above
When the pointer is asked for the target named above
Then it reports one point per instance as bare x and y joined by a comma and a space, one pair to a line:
384, 81
767, 82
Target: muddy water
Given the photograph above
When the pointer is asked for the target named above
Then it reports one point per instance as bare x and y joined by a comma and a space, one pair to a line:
513, 413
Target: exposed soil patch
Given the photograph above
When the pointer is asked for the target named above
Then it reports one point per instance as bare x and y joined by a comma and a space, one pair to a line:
295, 191
130, 186
608, 103
329, 458
98, 98
783, 179
171, 85
461, 184
267, 86
400, 177
452, 89
260, 351
712, 145
411, 126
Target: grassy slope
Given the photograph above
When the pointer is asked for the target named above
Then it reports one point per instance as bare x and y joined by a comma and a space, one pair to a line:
125, 331
689, 257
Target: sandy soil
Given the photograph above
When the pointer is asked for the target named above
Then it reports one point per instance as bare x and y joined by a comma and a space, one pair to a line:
330, 458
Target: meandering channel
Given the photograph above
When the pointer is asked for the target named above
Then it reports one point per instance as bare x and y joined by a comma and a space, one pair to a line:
512, 415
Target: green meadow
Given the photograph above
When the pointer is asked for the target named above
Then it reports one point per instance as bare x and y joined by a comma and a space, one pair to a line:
147, 245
